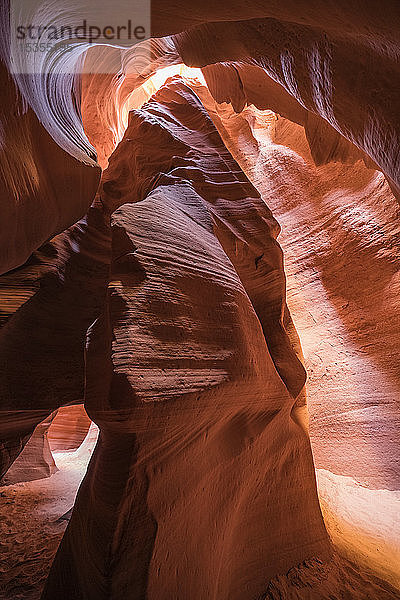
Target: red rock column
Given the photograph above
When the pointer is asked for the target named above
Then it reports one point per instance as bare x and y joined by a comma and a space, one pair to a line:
202, 484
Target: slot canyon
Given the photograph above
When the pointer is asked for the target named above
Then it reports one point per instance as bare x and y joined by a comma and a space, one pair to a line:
200, 300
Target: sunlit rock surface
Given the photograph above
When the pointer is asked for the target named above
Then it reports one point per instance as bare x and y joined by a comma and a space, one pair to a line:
340, 233
340, 240
63, 430
326, 161
36, 460
69, 428
337, 61
196, 410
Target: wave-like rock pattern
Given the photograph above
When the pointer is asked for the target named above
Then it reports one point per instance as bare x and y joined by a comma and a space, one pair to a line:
340, 235
327, 70
68, 428
43, 336
193, 380
43, 189
339, 64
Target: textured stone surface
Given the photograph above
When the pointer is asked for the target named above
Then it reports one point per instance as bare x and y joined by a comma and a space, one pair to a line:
44, 337
43, 189
36, 460
340, 233
330, 71
327, 68
197, 400
338, 223
68, 428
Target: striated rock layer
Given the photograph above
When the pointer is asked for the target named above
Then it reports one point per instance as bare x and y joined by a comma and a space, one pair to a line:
341, 240
43, 335
68, 428
331, 68
332, 64
340, 236
35, 461
202, 483
43, 189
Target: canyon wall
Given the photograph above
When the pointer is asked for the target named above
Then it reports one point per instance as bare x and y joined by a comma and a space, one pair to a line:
55, 297
328, 168
43, 188
196, 404
340, 236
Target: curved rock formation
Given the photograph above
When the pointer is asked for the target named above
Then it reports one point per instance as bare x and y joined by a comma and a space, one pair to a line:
164, 308
206, 380
27, 453
68, 428
311, 51
43, 188
346, 220
37, 201
45, 337
339, 222
35, 461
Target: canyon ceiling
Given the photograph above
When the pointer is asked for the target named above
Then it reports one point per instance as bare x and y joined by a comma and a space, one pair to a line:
200, 253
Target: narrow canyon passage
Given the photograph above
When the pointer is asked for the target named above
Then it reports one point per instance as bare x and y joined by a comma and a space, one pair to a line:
349, 342
199, 320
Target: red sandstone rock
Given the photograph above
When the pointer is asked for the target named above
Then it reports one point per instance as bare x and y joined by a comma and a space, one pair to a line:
68, 428
43, 189
328, 71
35, 461
195, 403
340, 239
332, 69
44, 339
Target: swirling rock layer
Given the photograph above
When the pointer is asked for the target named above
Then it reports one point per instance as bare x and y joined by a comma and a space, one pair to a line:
195, 393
